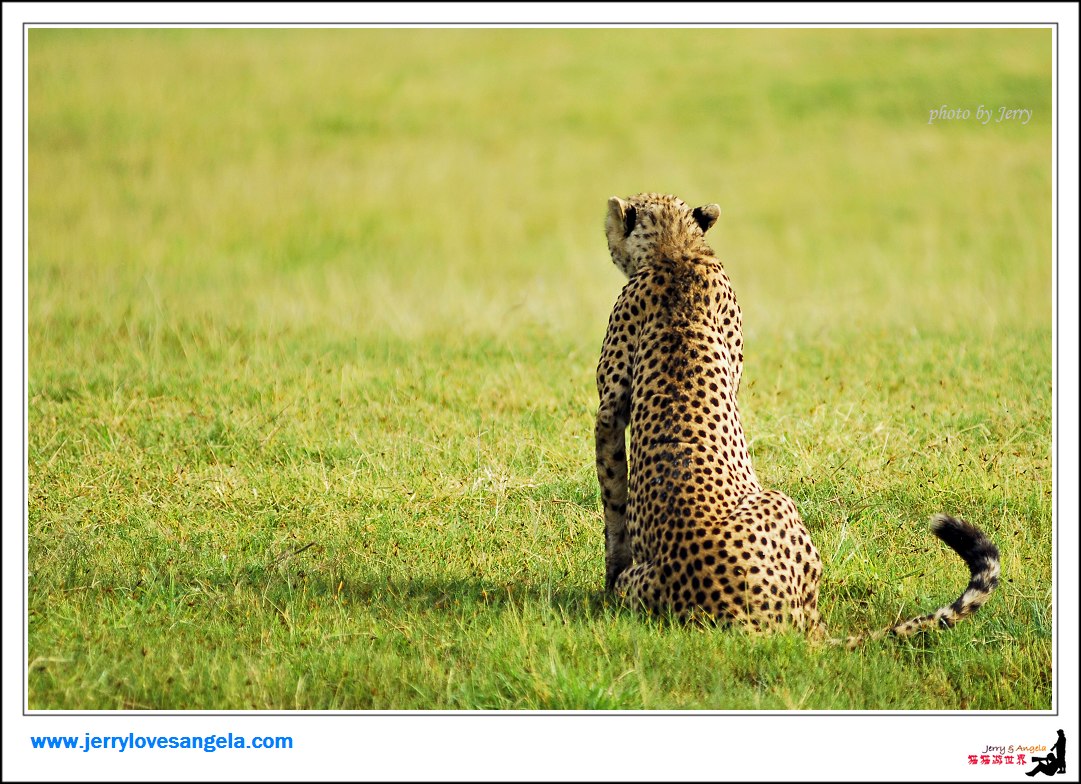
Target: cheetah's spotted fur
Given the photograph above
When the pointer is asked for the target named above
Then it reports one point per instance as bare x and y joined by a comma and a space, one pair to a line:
688, 528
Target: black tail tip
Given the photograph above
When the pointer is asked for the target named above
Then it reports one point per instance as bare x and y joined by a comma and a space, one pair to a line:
963, 537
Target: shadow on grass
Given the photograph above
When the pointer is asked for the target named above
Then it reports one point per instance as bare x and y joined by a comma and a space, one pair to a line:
448, 594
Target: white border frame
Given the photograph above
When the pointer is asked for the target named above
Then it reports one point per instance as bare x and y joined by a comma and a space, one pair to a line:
513, 745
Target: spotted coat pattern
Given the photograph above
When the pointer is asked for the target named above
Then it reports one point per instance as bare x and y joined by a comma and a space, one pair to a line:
688, 528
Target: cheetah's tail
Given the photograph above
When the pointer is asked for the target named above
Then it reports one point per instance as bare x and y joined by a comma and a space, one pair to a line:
981, 555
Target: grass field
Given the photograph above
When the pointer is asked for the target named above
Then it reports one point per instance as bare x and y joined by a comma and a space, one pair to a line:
314, 317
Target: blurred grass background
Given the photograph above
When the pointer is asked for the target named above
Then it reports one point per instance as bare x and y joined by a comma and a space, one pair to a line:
346, 288
346, 165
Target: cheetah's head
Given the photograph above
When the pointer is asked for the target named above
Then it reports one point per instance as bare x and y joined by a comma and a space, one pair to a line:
650, 226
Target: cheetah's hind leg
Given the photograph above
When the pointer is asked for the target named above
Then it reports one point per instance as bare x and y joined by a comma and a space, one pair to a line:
639, 586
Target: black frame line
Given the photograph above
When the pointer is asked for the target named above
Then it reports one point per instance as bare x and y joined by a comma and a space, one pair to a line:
26, 712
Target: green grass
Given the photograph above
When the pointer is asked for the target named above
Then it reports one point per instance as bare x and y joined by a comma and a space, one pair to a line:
313, 321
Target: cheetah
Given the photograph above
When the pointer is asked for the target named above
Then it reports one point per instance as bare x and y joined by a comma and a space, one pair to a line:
688, 528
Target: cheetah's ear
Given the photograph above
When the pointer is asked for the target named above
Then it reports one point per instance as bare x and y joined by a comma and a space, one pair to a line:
619, 212
706, 216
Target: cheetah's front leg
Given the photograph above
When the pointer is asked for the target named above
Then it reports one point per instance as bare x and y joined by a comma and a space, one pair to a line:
612, 474
613, 416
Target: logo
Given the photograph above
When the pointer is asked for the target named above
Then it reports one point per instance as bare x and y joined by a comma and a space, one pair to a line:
1051, 764
1055, 761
